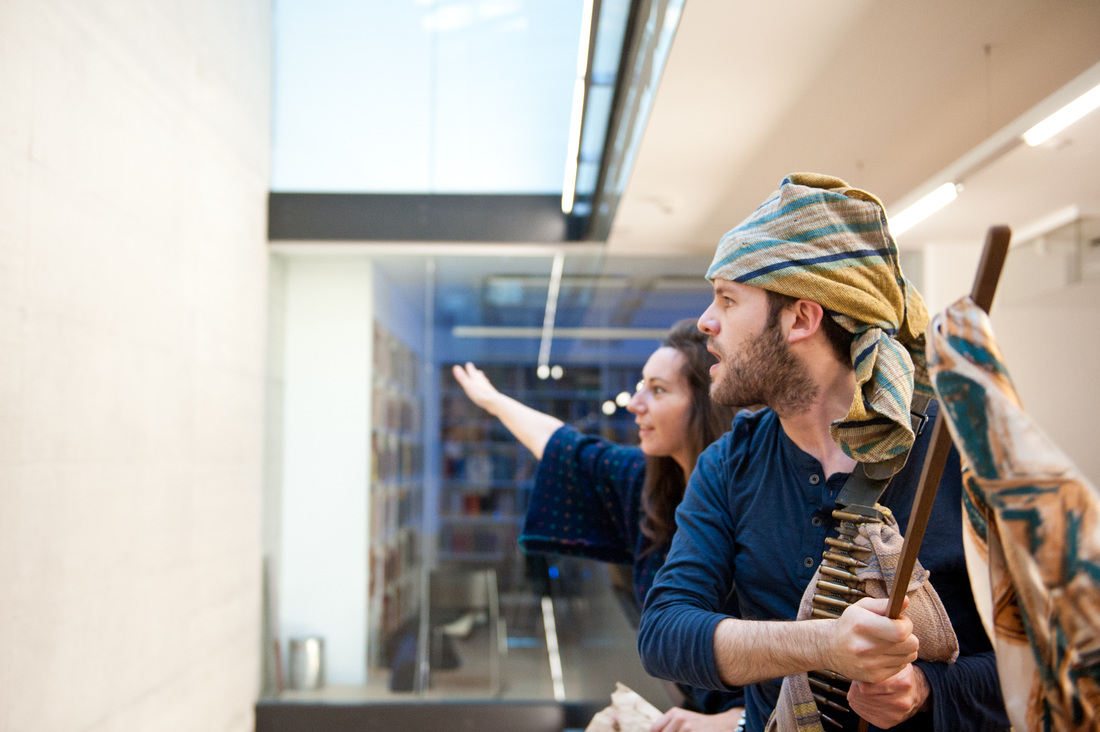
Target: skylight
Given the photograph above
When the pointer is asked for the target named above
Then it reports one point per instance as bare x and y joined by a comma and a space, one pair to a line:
423, 96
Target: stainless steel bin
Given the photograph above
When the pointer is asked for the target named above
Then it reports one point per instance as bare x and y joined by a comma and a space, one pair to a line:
307, 663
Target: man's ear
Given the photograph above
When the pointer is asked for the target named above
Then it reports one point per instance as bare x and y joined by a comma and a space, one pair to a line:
805, 319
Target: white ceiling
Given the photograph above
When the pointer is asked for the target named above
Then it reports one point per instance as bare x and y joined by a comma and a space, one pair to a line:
887, 95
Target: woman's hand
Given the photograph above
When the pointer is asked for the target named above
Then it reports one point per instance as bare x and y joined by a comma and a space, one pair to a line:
477, 386
530, 426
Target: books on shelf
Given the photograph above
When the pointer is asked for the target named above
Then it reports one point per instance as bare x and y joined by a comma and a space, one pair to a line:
396, 487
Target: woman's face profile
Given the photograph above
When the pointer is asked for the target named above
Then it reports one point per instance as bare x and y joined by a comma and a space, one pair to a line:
661, 405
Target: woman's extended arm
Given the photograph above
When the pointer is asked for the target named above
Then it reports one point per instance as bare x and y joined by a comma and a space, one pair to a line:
530, 426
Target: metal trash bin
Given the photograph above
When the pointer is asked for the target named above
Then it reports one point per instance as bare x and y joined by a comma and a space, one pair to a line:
307, 663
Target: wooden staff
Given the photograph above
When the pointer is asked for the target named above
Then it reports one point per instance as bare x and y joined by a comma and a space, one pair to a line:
993, 258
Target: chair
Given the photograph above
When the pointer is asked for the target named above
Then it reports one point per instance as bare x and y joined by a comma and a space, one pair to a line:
458, 602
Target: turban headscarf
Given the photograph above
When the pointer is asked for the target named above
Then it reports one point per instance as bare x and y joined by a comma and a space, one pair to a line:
819, 239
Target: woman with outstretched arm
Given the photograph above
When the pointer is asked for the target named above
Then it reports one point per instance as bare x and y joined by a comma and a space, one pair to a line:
613, 503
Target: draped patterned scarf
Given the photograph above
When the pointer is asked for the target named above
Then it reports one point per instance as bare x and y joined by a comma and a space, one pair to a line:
1031, 533
819, 239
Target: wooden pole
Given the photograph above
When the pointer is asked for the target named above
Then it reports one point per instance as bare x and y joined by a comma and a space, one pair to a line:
992, 262
985, 285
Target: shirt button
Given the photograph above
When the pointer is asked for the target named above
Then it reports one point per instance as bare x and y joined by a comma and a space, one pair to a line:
808, 561
816, 521
814, 479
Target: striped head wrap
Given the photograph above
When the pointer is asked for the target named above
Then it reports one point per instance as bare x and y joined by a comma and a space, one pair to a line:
816, 238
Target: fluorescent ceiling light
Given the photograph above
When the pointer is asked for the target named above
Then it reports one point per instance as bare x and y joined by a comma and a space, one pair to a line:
923, 208
599, 282
569, 187
586, 37
1063, 118
551, 309
584, 333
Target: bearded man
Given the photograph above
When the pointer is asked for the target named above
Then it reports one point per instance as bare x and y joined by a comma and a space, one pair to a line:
813, 318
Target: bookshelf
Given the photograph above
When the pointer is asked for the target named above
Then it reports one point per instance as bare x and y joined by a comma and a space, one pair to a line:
396, 491
487, 475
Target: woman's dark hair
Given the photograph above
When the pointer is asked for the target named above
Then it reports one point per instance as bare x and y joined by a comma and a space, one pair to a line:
665, 480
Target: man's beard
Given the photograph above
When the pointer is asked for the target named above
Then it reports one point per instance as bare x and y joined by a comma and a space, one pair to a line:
766, 372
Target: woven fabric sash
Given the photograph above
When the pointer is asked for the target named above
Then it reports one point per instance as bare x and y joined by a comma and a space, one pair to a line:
1031, 532
796, 710
819, 239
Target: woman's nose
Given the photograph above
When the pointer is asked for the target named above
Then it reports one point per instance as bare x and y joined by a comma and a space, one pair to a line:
636, 403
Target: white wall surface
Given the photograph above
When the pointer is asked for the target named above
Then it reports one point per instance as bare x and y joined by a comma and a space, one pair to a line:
1051, 348
1046, 329
949, 271
273, 457
134, 149
328, 341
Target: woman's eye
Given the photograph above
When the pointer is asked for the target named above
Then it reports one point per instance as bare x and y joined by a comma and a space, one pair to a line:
728, 301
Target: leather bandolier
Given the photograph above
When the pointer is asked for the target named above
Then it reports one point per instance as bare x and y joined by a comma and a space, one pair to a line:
838, 587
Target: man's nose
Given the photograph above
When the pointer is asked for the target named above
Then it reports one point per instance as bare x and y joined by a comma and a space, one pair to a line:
708, 323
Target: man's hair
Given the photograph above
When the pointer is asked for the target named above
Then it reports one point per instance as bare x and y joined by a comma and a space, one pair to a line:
840, 340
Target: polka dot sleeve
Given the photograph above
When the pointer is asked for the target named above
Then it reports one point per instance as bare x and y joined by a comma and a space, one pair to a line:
586, 499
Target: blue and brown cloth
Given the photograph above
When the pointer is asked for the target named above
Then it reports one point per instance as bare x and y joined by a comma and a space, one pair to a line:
1031, 532
819, 239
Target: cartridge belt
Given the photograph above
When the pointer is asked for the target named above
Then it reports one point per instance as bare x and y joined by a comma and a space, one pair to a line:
838, 586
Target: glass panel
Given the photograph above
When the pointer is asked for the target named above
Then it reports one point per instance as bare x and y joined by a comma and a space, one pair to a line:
449, 485
411, 96
478, 478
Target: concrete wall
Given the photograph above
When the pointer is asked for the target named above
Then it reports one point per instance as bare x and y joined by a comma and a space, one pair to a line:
134, 154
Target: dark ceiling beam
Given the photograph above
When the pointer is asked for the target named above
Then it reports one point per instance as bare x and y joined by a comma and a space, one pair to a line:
416, 217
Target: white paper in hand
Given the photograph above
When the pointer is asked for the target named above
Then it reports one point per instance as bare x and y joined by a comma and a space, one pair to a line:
628, 712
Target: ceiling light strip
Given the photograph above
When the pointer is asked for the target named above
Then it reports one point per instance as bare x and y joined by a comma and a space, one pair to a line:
583, 49
1079, 96
576, 120
922, 209
1063, 118
1045, 225
569, 185
590, 334
551, 309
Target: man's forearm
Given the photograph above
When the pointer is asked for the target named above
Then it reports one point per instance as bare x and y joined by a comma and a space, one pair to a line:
861, 644
748, 651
